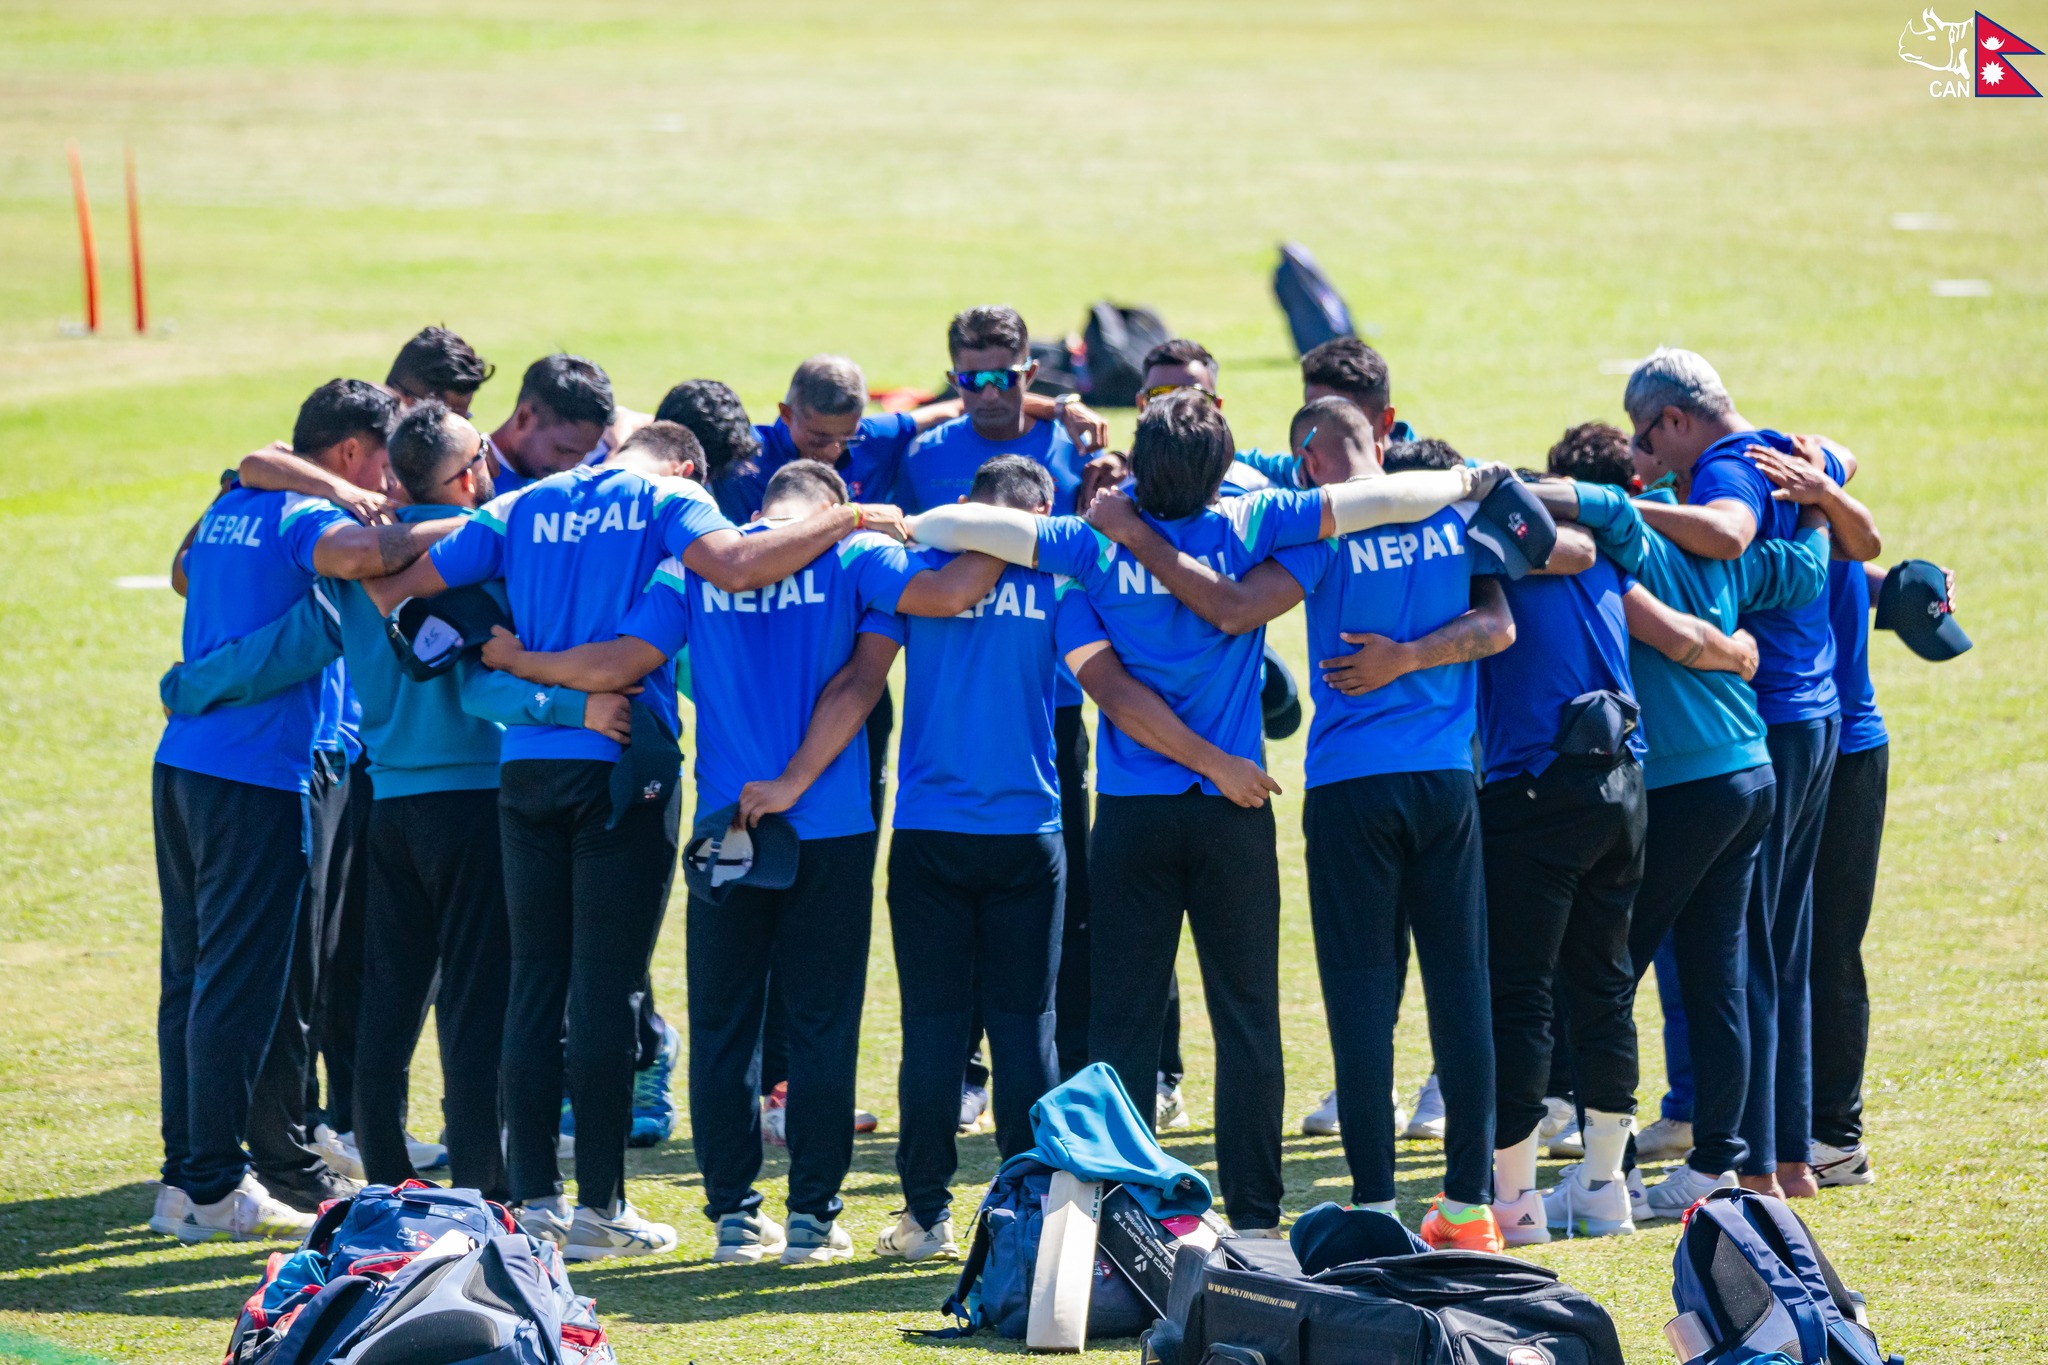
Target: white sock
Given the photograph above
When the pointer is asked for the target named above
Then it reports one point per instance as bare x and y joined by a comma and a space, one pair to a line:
1606, 1138
1514, 1169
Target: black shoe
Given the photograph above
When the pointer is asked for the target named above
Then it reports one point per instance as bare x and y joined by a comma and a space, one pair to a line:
306, 1188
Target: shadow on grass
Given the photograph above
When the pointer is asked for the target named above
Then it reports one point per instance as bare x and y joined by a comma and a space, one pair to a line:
94, 1253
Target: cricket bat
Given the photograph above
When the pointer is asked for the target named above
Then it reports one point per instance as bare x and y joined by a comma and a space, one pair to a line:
1065, 1274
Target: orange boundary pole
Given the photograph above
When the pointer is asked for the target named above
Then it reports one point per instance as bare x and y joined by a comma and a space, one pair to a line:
92, 265
135, 248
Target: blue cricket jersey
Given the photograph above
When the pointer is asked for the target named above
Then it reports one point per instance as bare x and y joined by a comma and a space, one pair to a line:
976, 755
1571, 637
758, 661
1402, 582
1795, 675
1209, 678
868, 465
1849, 618
574, 550
250, 563
939, 467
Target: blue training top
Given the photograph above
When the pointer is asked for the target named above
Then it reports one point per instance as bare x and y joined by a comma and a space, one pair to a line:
1849, 617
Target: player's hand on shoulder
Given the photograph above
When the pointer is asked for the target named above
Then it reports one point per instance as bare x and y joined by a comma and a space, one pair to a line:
1115, 515
1243, 781
1796, 479
1746, 655
1489, 476
1085, 427
369, 507
884, 518
503, 650
1105, 471
608, 713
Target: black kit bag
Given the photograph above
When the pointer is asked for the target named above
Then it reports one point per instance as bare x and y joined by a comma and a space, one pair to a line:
1315, 311
1238, 1304
1116, 342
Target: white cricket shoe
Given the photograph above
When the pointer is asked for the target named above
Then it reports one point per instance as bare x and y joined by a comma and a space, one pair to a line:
1574, 1209
248, 1213
1428, 1121
425, 1156
172, 1204
1523, 1222
913, 1241
547, 1218
1681, 1189
1842, 1165
617, 1231
339, 1151
973, 1109
816, 1241
1321, 1121
1638, 1197
1569, 1141
1172, 1110
748, 1239
1664, 1140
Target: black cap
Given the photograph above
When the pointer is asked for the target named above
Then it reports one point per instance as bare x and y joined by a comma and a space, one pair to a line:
1332, 1235
649, 768
1279, 697
1515, 526
429, 633
1914, 603
719, 857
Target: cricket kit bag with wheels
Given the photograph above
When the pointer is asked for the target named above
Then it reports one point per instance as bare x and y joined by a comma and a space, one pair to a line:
1751, 1284
1315, 311
1244, 1303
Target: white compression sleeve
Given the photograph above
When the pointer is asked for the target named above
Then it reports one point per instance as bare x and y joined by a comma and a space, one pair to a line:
1360, 504
1004, 532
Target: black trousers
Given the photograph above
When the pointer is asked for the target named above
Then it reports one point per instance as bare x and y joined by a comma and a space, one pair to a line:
287, 1088
1844, 886
1777, 1119
231, 868
1388, 856
1699, 863
1153, 859
1564, 854
344, 913
975, 920
435, 933
584, 904
813, 938
1070, 763
881, 724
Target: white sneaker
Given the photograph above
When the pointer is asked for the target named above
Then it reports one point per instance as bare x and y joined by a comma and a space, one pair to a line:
339, 1151
1842, 1165
1558, 1115
620, 1231
816, 1241
973, 1109
748, 1239
913, 1241
248, 1213
1172, 1110
172, 1204
1573, 1209
548, 1218
1322, 1120
1681, 1189
775, 1118
1664, 1140
425, 1156
1522, 1221
1428, 1121
1569, 1142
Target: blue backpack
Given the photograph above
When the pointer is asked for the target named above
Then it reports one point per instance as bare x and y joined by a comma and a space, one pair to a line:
994, 1290
1754, 1284
383, 1226
1315, 310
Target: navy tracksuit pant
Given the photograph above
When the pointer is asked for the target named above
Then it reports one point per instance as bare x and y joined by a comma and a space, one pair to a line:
975, 920
231, 867
1844, 886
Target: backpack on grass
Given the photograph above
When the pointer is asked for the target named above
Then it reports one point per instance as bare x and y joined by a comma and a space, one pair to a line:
1315, 311
1751, 1284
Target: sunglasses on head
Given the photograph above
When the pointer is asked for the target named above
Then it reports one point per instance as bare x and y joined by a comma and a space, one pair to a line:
1161, 390
974, 381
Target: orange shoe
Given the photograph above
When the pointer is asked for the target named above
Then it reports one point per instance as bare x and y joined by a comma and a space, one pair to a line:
1474, 1230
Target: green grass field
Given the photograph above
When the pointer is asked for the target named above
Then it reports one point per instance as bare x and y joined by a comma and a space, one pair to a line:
1514, 204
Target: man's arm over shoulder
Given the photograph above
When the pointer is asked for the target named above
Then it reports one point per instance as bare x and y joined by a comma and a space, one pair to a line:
294, 647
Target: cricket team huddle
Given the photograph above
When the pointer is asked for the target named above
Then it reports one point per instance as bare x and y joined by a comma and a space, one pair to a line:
1567, 725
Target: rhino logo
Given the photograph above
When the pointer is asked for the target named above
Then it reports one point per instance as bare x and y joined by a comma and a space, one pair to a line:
1935, 43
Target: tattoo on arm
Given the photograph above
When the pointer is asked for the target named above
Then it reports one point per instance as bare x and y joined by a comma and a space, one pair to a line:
1699, 643
395, 548
1458, 641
